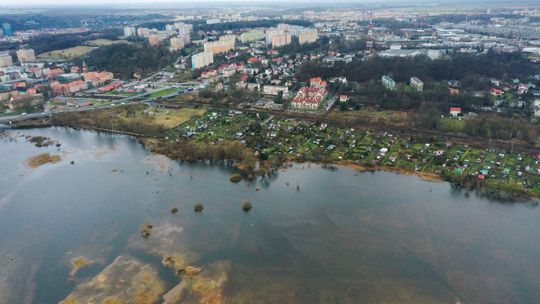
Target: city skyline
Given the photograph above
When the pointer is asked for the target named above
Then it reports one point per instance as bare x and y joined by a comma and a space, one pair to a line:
27, 3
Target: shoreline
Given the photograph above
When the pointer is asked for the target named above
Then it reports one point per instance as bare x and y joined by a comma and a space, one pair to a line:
427, 176
151, 144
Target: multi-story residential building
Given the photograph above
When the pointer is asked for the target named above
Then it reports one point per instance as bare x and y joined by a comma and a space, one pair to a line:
388, 83
309, 98
307, 36
317, 82
252, 35
183, 28
180, 25
186, 38
536, 107
5, 60
143, 32
68, 88
281, 40
274, 90
417, 84
294, 30
227, 70
130, 31
26, 55
154, 40
271, 32
224, 44
177, 43
98, 78
202, 59
54, 72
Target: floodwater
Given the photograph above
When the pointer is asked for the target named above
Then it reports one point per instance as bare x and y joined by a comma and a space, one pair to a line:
343, 237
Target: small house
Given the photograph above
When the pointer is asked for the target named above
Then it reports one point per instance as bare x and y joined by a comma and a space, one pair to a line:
455, 111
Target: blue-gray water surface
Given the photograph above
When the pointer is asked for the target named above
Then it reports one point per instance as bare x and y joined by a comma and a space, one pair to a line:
344, 237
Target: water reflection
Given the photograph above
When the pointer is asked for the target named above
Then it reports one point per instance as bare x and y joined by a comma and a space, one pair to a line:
344, 237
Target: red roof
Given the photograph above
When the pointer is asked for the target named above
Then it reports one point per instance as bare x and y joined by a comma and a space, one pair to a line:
496, 91
455, 109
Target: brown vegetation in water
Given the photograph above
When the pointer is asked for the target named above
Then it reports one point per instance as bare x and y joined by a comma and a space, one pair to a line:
146, 230
126, 280
235, 152
235, 178
189, 271
176, 261
198, 207
205, 287
78, 263
247, 206
43, 158
41, 141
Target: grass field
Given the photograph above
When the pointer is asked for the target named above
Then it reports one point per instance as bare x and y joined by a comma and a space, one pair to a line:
104, 42
173, 118
126, 94
168, 118
454, 125
162, 93
397, 118
67, 53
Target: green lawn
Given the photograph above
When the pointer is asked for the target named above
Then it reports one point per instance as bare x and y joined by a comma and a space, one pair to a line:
454, 125
67, 53
163, 92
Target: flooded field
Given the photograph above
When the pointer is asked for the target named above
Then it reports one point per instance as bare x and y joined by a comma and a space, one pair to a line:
97, 225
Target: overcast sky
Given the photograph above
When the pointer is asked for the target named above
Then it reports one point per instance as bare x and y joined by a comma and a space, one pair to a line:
56, 2
92, 2
41, 3
63, 2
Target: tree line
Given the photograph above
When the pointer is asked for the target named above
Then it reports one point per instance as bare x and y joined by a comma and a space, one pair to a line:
125, 59
458, 67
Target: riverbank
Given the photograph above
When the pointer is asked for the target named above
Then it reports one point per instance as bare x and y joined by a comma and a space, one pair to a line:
427, 176
258, 149
499, 191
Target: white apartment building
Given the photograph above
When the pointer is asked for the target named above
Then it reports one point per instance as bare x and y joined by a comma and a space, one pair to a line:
5, 60
281, 40
202, 59
224, 44
274, 90
130, 31
307, 36
271, 32
26, 55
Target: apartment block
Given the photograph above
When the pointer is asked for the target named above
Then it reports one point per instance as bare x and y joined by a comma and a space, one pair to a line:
281, 40
202, 59
5, 60
223, 45
26, 55
177, 43
417, 84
